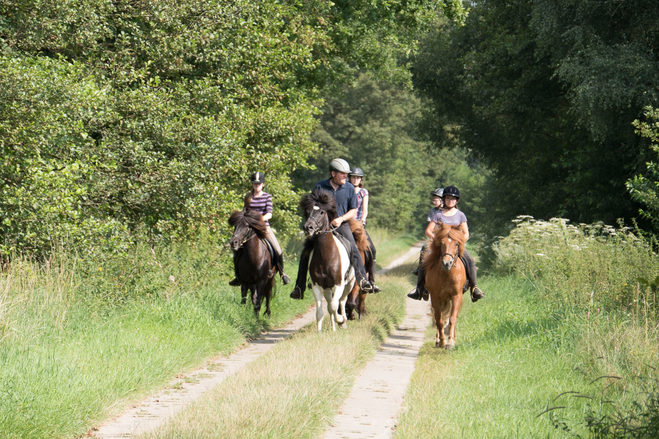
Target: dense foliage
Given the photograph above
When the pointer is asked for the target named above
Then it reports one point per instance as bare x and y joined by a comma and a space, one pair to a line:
122, 119
644, 187
374, 126
545, 93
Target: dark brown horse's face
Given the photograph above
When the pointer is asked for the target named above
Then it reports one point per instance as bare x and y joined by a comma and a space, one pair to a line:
316, 222
450, 249
241, 235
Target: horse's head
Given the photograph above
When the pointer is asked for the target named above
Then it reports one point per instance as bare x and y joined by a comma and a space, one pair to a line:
319, 209
451, 245
316, 222
247, 224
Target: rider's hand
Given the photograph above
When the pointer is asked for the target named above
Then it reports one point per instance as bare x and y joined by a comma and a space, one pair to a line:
336, 222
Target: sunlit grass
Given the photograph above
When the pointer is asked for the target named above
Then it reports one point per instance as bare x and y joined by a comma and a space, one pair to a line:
296, 389
389, 245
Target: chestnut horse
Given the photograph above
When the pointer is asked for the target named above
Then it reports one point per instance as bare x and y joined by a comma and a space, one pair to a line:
254, 268
330, 271
357, 297
445, 278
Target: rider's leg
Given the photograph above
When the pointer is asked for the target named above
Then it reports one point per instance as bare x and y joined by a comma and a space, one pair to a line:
421, 253
235, 282
303, 268
371, 264
280, 259
355, 258
476, 293
420, 291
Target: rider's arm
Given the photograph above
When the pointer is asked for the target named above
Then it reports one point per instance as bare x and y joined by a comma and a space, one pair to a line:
430, 230
267, 216
345, 217
464, 229
365, 209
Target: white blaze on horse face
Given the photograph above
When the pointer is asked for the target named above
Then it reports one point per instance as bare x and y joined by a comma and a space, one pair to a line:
316, 208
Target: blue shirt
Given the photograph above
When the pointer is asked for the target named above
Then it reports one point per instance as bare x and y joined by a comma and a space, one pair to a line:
345, 196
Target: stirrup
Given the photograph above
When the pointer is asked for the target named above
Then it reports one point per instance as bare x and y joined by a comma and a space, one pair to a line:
365, 285
476, 294
415, 294
376, 289
234, 282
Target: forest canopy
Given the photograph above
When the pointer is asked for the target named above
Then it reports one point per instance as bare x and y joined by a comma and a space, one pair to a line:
545, 94
123, 119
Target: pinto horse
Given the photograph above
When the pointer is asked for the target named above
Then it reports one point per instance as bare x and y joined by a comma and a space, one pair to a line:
254, 265
357, 297
445, 279
330, 271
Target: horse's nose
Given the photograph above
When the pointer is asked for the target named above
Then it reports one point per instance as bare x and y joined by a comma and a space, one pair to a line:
234, 243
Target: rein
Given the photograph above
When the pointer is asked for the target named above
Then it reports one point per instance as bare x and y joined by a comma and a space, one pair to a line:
453, 257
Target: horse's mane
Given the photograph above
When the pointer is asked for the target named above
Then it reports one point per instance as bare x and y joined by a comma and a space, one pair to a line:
434, 255
321, 198
253, 219
359, 233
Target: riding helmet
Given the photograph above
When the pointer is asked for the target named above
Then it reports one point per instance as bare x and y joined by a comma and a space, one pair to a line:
439, 192
356, 172
339, 165
452, 191
258, 177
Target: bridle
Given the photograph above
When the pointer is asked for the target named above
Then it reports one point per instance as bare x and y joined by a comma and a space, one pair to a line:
318, 225
453, 257
249, 235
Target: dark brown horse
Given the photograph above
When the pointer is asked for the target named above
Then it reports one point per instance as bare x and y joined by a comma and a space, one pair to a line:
330, 271
357, 297
445, 278
252, 257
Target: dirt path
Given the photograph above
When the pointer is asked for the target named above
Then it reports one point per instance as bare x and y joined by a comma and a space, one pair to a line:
376, 396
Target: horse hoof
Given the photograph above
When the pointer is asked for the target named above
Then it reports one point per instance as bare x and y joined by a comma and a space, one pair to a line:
243, 301
449, 347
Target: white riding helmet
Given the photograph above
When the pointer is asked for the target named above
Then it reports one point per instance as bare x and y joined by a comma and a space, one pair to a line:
339, 165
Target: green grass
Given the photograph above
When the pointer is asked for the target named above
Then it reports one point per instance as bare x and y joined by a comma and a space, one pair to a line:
390, 246
68, 361
513, 358
296, 389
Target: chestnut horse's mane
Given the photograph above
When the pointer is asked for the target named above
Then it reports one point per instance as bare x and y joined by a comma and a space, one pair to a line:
434, 255
321, 198
253, 220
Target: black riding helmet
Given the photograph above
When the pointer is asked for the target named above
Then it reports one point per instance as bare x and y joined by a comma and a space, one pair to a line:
452, 191
356, 172
258, 177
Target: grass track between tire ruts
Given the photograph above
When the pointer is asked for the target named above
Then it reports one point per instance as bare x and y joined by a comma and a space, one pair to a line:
294, 390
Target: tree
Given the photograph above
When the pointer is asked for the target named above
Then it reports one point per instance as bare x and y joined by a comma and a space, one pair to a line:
373, 125
544, 93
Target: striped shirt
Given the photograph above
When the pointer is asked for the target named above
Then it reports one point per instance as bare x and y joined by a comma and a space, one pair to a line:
262, 204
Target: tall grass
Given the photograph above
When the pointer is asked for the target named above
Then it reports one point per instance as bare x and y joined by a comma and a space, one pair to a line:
81, 338
604, 281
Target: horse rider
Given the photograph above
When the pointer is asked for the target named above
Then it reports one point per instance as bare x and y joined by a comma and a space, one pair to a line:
436, 197
346, 209
261, 202
356, 177
451, 215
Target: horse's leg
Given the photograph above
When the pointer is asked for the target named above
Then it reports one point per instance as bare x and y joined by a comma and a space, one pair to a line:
438, 308
337, 295
331, 305
342, 304
318, 295
268, 296
243, 294
256, 300
457, 303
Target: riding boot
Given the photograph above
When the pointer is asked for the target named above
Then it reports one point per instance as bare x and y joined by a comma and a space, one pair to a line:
476, 294
420, 291
280, 266
235, 282
298, 291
